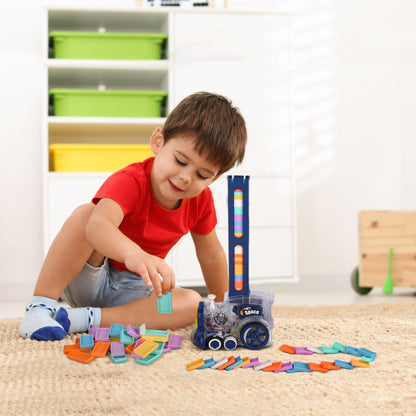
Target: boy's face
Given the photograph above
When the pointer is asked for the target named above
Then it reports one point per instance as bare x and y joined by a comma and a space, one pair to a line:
179, 172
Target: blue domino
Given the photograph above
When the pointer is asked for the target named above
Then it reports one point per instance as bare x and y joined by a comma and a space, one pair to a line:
353, 351
299, 367
208, 363
115, 330
367, 353
86, 341
238, 361
343, 364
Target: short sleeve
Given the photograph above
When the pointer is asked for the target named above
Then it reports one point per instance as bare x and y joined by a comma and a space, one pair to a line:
121, 187
207, 217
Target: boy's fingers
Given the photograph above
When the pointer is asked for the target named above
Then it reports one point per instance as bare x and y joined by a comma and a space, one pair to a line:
168, 279
145, 276
154, 276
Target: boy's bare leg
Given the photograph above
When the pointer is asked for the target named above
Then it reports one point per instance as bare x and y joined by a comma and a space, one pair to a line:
66, 257
184, 304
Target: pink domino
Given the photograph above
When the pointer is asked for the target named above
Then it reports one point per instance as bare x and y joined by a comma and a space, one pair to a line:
117, 349
102, 334
132, 331
303, 351
253, 362
285, 367
175, 342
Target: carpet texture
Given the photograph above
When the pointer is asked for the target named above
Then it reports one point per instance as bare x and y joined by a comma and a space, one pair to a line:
36, 378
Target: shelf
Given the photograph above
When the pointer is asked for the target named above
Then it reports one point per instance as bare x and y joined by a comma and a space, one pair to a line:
113, 64
118, 121
146, 75
101, 129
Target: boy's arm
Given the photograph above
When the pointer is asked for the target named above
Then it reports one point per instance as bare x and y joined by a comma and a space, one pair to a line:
211, 257
103, 234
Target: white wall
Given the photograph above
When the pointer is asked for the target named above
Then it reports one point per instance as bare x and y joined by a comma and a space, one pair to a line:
354, 90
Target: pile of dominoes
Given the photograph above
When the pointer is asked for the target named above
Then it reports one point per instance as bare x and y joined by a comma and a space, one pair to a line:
119, 342
364, 355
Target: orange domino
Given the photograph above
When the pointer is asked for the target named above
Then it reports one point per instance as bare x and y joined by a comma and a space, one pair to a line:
130, 348
70, 347
360, 363
317, 367
100, 349
231, 360
80, 356
195, 364
329, 366
74, 347
288, 348
275, 366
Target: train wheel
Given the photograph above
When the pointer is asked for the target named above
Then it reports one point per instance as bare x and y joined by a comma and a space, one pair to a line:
214, 343
230, 343
254, 336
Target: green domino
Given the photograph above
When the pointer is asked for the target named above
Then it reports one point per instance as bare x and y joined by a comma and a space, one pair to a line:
118, 360
340, 347
328, 350
164, 304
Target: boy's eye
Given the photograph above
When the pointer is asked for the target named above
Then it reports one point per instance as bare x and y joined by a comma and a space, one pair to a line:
201, 176
179, 162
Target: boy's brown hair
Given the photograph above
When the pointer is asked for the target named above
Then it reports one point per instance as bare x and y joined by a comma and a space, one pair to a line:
218, 127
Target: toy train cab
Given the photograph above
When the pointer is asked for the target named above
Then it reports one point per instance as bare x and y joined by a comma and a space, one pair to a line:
240, 321
244, 318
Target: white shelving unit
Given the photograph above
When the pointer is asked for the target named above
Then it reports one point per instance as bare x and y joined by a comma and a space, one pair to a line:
242, 55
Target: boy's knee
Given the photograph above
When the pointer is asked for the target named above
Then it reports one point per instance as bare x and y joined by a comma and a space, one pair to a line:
191, 301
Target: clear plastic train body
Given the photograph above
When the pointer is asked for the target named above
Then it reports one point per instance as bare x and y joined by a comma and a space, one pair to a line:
244, 318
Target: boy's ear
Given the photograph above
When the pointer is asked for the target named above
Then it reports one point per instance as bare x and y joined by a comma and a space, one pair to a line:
157, 140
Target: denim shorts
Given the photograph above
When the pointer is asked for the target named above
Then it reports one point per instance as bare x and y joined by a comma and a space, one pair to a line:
104, 286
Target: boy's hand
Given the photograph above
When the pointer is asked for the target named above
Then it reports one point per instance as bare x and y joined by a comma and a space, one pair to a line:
149, 267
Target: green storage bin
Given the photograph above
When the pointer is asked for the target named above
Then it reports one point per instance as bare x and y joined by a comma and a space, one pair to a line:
95, 45
107, 103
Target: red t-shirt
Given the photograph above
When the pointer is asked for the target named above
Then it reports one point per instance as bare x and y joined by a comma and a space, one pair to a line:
154, 228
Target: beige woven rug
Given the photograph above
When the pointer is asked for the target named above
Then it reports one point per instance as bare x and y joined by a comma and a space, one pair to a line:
36, 378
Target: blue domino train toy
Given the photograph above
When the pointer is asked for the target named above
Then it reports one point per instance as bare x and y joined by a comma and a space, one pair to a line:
244, 318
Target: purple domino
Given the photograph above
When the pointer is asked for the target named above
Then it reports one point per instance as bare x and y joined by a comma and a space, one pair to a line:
102, 334
285, 367
175, 342
132, 331
165, 349
117, 349
253, 362
303, 351
93, 331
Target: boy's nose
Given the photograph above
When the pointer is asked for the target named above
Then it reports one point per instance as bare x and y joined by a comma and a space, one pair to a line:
185, 177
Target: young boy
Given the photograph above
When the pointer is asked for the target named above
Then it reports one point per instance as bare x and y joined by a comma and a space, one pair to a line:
107, 261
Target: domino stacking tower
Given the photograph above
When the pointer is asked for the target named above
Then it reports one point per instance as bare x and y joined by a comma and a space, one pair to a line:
244, 317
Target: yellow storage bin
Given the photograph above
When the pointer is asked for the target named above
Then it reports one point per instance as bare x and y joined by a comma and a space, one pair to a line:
96, 157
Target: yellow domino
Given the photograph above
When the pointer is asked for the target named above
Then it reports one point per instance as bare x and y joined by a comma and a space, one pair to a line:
195, 364
143, 350
360, 363
246, 360
156, 338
